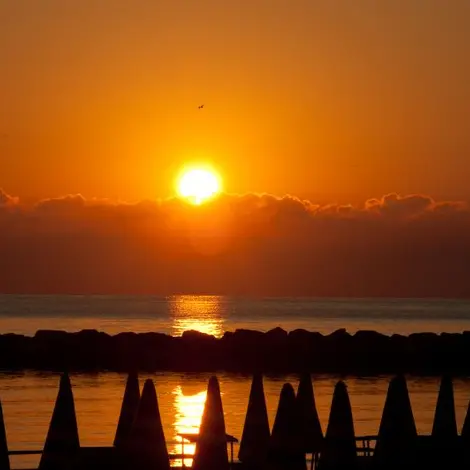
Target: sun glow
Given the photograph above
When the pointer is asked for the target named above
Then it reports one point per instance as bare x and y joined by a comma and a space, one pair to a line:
197, 185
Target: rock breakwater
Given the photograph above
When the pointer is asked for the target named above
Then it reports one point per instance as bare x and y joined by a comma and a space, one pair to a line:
244, 351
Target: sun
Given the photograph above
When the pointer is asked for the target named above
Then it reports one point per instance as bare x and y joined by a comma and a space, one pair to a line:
197, 185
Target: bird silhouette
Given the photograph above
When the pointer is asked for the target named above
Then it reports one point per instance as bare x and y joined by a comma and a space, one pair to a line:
200, 107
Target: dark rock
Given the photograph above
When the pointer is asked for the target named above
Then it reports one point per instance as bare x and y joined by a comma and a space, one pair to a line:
197, 348
277, 335
244, 351
276, 351
301, 334
51, 335
303, 350
246, 335
14, 351
369, 336
197, 336
340, 333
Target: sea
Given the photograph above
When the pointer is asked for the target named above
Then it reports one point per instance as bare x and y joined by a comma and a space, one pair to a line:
28, 398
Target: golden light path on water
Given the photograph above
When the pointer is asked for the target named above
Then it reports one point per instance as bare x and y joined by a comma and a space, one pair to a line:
204, 314
200, 313
188, 413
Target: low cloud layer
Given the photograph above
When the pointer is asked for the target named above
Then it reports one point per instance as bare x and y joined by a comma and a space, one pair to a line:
238, 245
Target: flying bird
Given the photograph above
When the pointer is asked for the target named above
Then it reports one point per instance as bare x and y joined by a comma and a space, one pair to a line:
200, 107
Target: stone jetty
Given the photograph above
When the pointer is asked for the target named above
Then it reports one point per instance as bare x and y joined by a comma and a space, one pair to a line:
276, 351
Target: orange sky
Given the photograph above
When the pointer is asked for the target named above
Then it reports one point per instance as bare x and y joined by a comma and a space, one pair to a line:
326, 99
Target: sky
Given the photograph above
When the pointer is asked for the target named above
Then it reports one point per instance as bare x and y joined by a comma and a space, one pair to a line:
339, 129
332, 100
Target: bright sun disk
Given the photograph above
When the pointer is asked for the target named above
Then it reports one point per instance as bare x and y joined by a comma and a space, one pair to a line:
197, 185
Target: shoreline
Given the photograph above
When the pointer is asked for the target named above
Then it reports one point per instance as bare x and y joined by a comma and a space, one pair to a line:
242, 351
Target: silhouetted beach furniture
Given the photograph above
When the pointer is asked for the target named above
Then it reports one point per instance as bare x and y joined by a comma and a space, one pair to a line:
339, 447
4, 459
256, 434
445, 424
62, 441
446, 449
311, 434
145, 447
99, 458
465, 439
397, 438
193, 438
211, 444
130, 405
465, 433
398, 446
285, 446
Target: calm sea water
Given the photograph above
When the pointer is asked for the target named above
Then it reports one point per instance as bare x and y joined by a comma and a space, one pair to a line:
28, 399
214, 314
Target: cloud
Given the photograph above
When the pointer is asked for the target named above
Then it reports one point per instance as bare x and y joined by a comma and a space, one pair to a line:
7, 200
249, 244
394, 205
62, 204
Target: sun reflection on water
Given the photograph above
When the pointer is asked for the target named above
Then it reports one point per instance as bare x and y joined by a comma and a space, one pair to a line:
202, 313
188, 413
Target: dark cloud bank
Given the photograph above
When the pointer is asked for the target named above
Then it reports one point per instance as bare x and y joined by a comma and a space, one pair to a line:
407, 246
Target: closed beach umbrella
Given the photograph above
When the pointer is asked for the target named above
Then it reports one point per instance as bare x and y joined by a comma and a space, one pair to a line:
339, 448
4, 459
465, 438
445, 424
129, 407
311, 434
285, 449
396, 442
446, 451
211, 446
62, 442
466, 426
256, 434
145, 446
